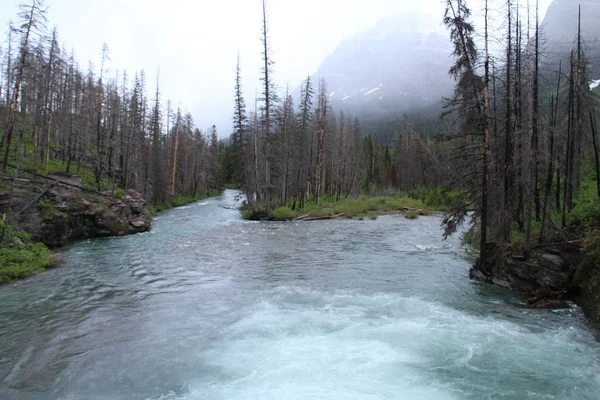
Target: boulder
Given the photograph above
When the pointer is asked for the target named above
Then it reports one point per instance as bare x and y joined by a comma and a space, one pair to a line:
57, 219
549, 276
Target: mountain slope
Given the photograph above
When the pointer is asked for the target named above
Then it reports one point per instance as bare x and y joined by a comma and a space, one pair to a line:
560, 32
398, 66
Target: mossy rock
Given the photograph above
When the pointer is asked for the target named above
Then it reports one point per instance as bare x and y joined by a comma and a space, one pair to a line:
49, 212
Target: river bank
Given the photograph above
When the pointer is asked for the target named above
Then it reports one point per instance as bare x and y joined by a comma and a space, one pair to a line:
548, 276
47, 212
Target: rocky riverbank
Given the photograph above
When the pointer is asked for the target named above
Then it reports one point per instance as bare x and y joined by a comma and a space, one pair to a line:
57, 209
548, 276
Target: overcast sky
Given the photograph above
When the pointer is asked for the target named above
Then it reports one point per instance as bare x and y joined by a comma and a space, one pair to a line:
194, 43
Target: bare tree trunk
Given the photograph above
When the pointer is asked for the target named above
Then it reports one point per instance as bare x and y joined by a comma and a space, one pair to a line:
535, 118
568, 185
267, 98
10, 120
256, 171
508, 130
175, 148
320, 135
484, 177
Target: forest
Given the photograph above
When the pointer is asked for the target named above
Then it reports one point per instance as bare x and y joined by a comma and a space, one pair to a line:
59, 118
520, 154
516, 156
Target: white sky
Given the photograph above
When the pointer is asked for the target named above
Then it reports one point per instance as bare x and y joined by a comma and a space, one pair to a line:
194, 43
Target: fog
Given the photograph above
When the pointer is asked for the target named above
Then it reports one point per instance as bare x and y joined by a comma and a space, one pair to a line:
194, 43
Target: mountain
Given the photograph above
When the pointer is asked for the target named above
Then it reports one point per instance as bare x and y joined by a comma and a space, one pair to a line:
398, 66
560, 32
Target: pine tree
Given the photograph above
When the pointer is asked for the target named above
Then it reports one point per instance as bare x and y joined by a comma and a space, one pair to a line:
471, 101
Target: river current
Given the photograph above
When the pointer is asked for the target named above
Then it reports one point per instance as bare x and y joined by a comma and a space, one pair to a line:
208, 306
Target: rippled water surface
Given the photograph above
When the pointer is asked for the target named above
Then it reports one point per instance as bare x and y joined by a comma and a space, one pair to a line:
207, 306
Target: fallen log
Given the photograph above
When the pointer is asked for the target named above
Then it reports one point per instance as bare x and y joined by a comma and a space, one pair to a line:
57, 181
319, 218
301, 217
34, 201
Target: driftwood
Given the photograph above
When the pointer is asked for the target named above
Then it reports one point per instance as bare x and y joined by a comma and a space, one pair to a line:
307, 217
417, 210
228, 207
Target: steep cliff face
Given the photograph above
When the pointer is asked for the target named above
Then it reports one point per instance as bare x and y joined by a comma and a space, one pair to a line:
57, 211
560, 32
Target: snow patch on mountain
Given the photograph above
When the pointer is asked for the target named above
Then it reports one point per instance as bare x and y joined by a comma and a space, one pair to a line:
372, 90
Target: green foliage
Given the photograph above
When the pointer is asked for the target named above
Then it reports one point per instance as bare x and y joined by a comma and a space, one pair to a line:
591, 245
18, 261
439, 198
119, 193
25, 161
283, 214
516, 236
353, 207
49, 211
586, 208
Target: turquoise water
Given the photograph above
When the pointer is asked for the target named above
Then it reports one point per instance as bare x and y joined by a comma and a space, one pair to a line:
207, 306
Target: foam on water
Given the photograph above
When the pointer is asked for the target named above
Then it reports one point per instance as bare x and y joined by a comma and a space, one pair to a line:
307, 344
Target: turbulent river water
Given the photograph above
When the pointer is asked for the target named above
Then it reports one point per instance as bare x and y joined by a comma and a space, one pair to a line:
208, 306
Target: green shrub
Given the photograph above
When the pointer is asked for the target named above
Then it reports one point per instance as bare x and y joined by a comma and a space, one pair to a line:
586, 208
283, 214
21, 260
437, 197
350, 207
591, 245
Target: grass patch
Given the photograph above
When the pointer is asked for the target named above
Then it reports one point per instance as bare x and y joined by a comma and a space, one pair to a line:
352, 207
20, 258
283, 214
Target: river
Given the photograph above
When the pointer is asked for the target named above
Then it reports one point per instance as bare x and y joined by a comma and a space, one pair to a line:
208, 306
